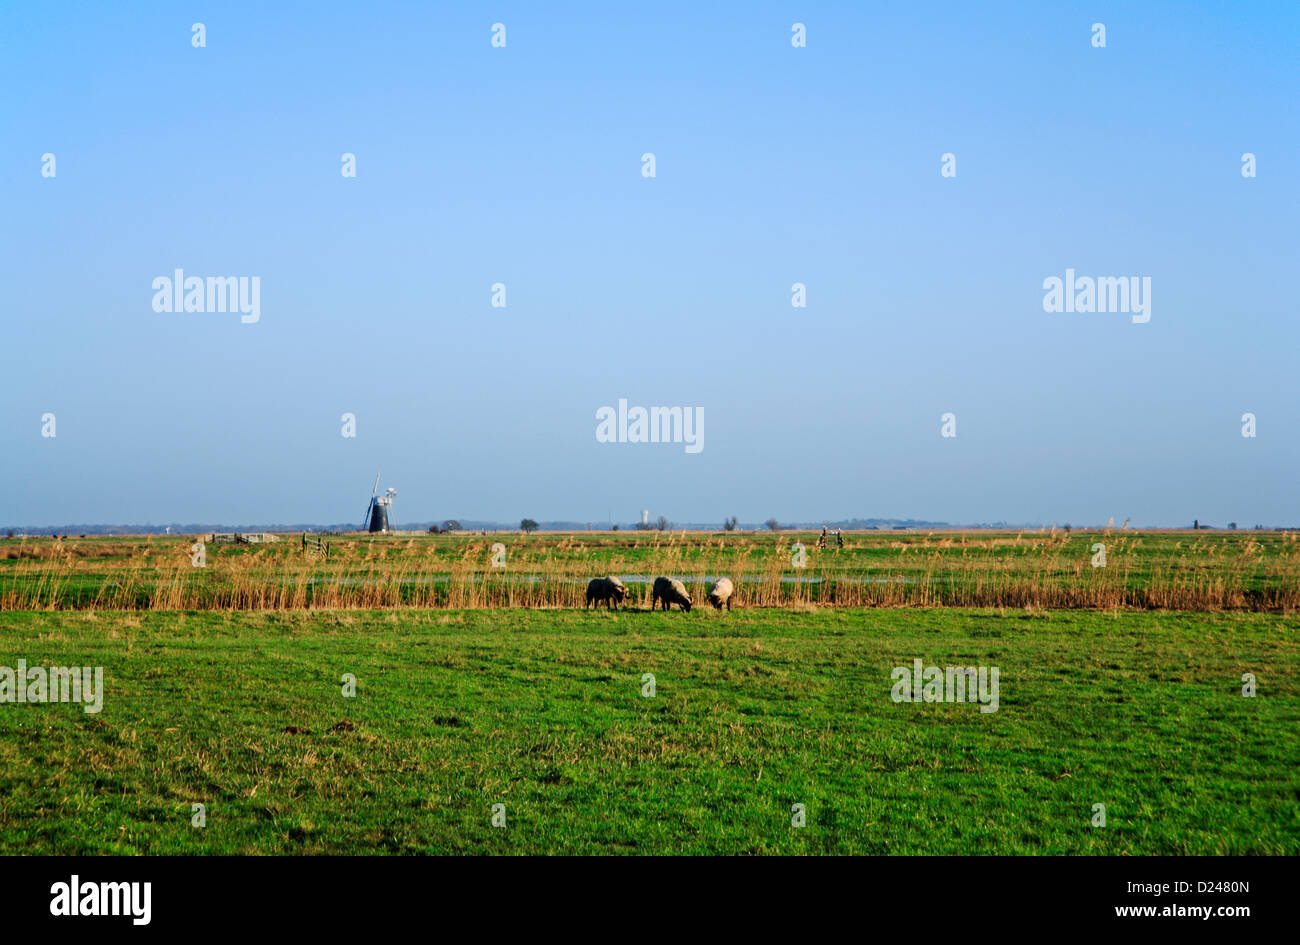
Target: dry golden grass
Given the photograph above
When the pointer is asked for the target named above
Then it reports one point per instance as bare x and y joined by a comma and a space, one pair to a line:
1041, 569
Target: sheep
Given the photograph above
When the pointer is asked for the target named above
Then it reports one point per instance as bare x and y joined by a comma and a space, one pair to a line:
720, 593
670, 591
608, 589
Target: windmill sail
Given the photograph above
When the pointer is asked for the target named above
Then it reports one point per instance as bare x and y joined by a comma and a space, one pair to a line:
370, 506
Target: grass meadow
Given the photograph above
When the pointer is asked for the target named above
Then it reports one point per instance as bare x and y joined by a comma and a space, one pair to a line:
754, 711
1172, 570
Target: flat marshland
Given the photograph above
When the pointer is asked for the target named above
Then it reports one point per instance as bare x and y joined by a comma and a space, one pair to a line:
1048, 569
464, 703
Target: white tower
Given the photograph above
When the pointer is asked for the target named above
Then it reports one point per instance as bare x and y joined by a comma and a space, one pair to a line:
645, 516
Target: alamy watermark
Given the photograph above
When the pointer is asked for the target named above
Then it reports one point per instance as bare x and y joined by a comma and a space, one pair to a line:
84, 684
181, 293
923, 683
1125, 294
102, 899
651, 425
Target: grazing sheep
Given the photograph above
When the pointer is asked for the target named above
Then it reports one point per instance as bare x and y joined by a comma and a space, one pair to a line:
670, 591
720, 593
608, 589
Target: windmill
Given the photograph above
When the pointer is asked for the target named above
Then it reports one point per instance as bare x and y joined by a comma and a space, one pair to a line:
377, 511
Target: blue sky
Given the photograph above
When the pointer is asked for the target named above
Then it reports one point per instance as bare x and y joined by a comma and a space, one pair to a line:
775, 165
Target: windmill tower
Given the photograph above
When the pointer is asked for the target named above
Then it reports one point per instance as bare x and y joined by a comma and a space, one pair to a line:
377, 511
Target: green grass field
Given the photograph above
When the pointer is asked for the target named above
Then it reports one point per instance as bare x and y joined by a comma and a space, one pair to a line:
754, 711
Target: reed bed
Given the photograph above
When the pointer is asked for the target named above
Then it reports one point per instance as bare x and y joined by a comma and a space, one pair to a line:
1190, 571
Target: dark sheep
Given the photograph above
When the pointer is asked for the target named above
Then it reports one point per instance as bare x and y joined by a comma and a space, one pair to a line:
607, 589
670, 591
720, 593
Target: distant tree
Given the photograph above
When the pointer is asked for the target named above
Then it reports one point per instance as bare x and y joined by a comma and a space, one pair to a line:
1233, 526
615, 528
773, 525
528, 525
661, 523
729, 524
1067, 528
451, 525
433, 529
1196, 524
10, 533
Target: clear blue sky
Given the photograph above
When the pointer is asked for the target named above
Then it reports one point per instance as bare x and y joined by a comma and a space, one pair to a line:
775, 165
